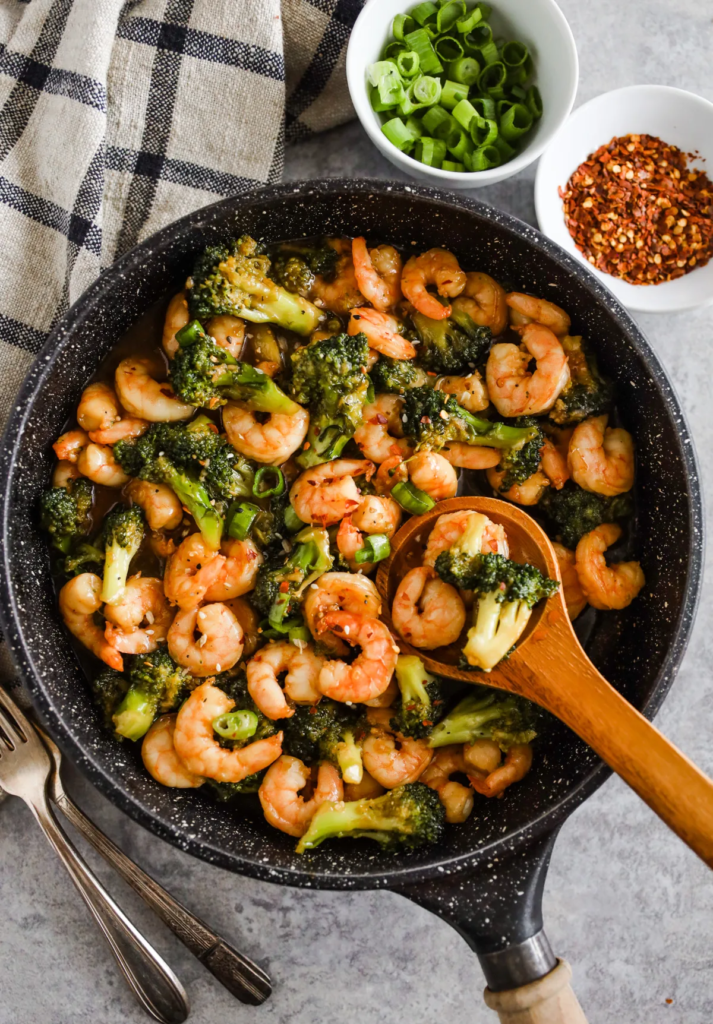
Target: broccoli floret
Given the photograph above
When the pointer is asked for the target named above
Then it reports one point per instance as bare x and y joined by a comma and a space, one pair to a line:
519, 464
329, 377
395, 376
84, 557
296, 264
293, 273
486, 715
204, 374
233, 281
156, 685
123, 533
572, 511
282, 579
277, 522
421, 704
404, 818
588, 393
455, 345
108, 690
65, 513
327, 731
236, 687
224, 791
433, 418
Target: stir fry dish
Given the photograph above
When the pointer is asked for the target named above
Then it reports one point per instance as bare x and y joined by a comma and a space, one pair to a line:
231, 482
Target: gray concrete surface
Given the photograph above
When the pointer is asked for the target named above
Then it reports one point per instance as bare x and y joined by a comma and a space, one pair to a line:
626, 903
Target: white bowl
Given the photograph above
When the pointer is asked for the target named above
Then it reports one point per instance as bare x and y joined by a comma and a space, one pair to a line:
538, 23
673, 115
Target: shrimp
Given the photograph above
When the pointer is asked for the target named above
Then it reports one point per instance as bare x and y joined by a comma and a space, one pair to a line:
482, 756
437, 267
470, 456
390, 758
382, 332
98, 407
221, 639
228, 332
177, 317
140, 619
279, 793
265, 437
367, 789
430, 471
64, 474
162, 507
341, 293
526, 309
369, 675
70, 445
379, 436
427, 612
302, 667
513, 388
249, 621
517, 764
123, 430
191, 571
528, 492
469, 391
242, 561
79, 599
484, 300
571, 587
161, 545
97, 463
198, 748
375, 515
449, 529
143, 396
161, 760
553, 462
339, 591
601, 458
327, 493
378, 273
456, 798
606, 586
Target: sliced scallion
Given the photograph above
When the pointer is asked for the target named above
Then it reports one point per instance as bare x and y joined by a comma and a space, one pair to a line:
492, 79
393, 49
449, 14
485, 106
452, 165
478, 37
408, 63
515, 122
269, 482
426, 90
465, 70
459, 144
484, 158
236, 725
488, 53
428, 59
240, 519
431, 152
448, 49
399, 134
376, 101
483, 131
401, 26
415, 126
437, 122
376, 548
412, 499
452, 93
468, 22
424, 12
507, 152
464, 112
534, 102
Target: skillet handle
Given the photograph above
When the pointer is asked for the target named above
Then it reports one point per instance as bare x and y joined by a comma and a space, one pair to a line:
549, 1000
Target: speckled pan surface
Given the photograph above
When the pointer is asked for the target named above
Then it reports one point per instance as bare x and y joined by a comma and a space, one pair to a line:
638, 650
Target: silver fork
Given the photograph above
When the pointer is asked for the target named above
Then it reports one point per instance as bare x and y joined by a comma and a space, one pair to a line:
243, 978
25, 768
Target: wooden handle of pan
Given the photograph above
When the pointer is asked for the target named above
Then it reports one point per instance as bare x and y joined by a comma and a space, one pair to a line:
549, 1000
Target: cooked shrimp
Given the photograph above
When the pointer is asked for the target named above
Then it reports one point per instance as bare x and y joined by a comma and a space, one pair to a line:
177, 317
513, 388
427, 612
436, 267
143, 396
64, 474
517, 764
449, 528
528, 492
97, 463
265, 437
376, 514
79, 600
339, 591
379, 436
301, 667
341, 293
123, 430
382, 332
367, 789
219, 647
526, 309
161, 760
390, 758
606, 586
162, 507
197, 747
161, 545
378, 273
470, 391
249, 621
470, 456
554, 464
482, 756
327, 493
140, 619
242, 561
429, 471
571, 587
455, 797
70, 445
279, 793
98, 407
483, 299
370, 673
191, 571
228, 332
601, 458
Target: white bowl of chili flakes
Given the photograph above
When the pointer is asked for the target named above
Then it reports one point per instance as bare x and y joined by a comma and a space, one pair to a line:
635, 195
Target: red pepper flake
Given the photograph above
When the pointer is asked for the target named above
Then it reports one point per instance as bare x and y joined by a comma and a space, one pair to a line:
425, 419
638, 211
284, 587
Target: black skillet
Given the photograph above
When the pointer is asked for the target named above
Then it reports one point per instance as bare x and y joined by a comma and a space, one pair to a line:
486, 877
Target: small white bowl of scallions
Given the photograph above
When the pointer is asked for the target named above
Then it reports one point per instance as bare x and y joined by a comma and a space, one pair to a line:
462, 94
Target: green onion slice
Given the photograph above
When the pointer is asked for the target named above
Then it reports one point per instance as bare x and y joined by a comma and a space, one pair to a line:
515, 122
236, 725
468, 22
412, 499
452, 165
519, 93
438, 123
465, 70
240, 518
401, 25
489, 53
426, 90
408, 63
459, 145
376, 102
452, 93
424, 12
376, 548
420, 42
485, 106
464, 112
492, 79
292, 521
275, 484
483, 131
449, 14
514, 54
393, 49
507, 152
534, 102
484, 158
448, 49
431, 152
399, 134
190, 334
478, 37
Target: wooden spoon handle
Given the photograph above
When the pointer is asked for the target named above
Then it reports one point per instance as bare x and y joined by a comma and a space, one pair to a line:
550, 1000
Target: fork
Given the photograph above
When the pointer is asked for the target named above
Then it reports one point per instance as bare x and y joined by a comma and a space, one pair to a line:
243, 978
25, 769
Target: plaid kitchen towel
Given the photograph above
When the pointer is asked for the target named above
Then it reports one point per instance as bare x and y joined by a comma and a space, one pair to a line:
119, 116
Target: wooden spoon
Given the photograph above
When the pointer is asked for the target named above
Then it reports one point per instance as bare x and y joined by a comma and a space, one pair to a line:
550, 668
